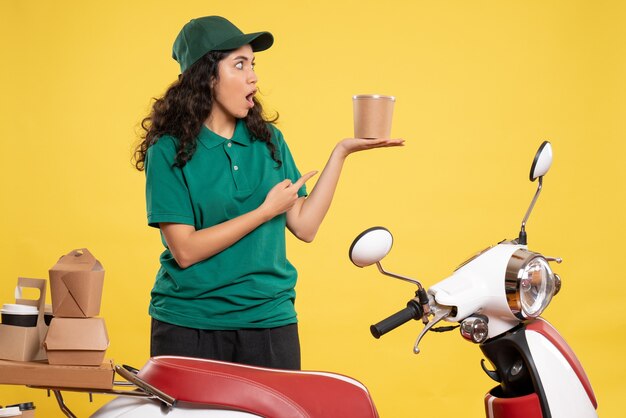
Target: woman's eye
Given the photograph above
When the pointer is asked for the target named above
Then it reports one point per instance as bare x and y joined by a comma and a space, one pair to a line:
253, 65
239, 65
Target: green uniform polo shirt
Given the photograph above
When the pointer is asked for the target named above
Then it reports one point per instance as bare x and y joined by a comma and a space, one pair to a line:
249, 284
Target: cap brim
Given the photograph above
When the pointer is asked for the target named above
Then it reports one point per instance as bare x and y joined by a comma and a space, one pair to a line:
259, 41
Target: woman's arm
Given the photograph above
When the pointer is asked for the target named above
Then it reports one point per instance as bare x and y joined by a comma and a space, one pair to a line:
189, 246
306, 215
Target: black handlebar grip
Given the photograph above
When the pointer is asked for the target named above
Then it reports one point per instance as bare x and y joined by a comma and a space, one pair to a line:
412, 311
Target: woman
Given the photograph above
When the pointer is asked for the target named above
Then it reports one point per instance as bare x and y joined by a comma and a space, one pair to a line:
221, 185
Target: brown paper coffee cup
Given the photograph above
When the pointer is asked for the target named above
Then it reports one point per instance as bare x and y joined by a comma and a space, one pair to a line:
373, 114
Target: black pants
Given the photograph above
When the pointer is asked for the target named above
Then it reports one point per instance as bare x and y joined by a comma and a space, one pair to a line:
277, 348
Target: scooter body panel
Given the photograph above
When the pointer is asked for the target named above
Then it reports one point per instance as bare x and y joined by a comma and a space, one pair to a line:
545, 329
539, 375
564, 391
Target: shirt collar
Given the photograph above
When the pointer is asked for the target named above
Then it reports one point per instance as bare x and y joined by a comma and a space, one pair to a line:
210, 139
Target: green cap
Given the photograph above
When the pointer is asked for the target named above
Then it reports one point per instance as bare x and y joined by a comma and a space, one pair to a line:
213, 33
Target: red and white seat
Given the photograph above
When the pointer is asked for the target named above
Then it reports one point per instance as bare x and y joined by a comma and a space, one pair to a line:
260, 391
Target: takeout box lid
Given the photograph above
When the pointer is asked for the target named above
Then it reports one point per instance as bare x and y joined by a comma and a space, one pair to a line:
79, 334
78, 260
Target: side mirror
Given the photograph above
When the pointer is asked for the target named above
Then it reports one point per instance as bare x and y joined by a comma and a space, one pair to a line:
371, 246
542, 162
541, 165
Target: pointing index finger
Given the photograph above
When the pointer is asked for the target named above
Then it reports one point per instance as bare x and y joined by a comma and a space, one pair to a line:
304, 179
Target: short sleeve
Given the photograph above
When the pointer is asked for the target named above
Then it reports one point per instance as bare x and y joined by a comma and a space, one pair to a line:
167, 195
289, 165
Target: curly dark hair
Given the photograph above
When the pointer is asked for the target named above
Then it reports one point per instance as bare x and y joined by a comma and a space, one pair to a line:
186, 105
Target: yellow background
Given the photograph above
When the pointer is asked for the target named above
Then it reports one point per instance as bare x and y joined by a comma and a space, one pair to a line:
479, 85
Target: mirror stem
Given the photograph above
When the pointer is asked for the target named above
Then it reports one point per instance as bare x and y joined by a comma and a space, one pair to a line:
522, 240
397, 276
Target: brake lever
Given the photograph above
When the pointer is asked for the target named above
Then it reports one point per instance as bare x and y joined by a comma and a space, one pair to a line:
440, 314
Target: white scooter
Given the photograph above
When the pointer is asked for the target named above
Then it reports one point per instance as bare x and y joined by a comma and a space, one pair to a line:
497, 297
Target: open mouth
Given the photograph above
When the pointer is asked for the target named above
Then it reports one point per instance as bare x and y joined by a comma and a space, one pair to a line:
249, 98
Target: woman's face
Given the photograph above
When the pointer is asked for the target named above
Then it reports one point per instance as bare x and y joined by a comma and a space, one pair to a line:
236, 84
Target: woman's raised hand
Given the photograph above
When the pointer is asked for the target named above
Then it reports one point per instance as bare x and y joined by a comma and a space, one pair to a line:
284, 195
350, 145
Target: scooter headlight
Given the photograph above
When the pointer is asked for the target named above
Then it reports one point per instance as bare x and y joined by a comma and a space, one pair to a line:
529, 284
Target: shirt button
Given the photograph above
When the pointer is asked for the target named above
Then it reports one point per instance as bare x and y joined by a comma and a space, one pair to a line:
235, 168
230, 144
